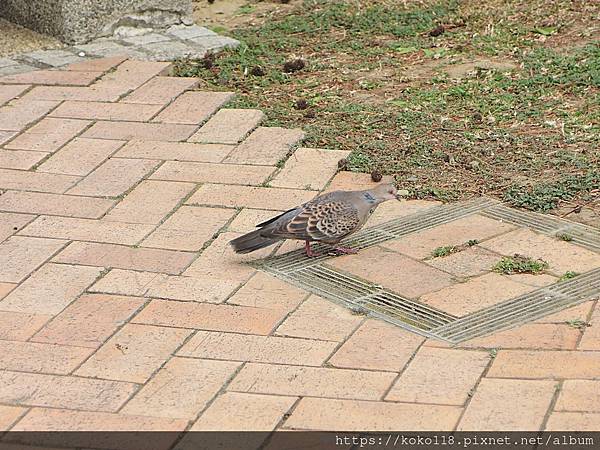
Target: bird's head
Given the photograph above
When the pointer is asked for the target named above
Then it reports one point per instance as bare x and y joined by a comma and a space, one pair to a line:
384, 192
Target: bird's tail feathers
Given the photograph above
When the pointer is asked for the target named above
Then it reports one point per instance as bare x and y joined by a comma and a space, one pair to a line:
250, 242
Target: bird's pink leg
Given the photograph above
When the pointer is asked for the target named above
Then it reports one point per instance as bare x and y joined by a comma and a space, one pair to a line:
309, 251
345, 250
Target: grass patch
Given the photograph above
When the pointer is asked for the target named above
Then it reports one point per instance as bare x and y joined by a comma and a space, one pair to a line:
568, 276
440, 252
564, 237
510, 265
578, 324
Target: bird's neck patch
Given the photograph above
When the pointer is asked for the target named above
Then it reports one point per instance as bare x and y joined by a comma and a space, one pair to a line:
369, 197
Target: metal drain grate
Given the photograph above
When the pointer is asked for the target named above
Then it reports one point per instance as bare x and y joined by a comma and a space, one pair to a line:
311, 274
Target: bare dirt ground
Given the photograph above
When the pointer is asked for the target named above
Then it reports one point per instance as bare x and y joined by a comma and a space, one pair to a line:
15, 39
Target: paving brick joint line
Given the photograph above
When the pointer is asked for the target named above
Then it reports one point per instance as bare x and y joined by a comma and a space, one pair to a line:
122, 306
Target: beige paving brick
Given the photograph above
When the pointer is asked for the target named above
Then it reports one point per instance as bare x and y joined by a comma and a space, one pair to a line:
87, 230
530, 336
50, 289
126, 282
266, 291
311, 381
97, 65
175, 151
76, 93
573, 421
16, 326
545, 364
36, 181
89, 320
266, 146
205, 316
193, 107
19, 256
150, 201
114, 177
189, 228
8, 92
510, 405
16, 115
134, 353
318, 318
34, 389
330, 414
80, 156
354, 181
10, 223
394, 271
228, 126
132, 74
250, 197
6, 136
265, 349
135, 130
309, 168
39, 419
442, 376
5, 288
198, 172
579, 395
123, 257
578, 312
48, 135
247, 219
105, 111
475, 294
420, 245
467, 263
560, 255
52, 77
36, 357
9, 415
181, 389
591, 334
191, 289
377, 345
19, 159
234, 411
160, 90
54, 204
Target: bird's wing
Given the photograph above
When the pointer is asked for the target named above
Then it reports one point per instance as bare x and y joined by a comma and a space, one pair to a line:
325, 219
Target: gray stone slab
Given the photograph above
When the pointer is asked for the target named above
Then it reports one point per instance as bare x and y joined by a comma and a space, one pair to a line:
145, 39
188, 32
215, 42
54, 58
5, 62
103, 47
19, 68
165, 51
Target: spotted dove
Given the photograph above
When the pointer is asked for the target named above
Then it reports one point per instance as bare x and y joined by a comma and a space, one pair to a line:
327, 218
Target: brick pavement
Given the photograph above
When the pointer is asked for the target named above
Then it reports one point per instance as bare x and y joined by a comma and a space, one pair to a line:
122, 307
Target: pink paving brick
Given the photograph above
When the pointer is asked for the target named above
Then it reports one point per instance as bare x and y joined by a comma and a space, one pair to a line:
96, 65
377, 345
511, 405
80, 156
441, 376
330, 414
265, 349
131, 75
52, 77
36, 181
6, 136
10, 223
138, 130
22, 255
50, 289
54, 204
134, 353
34, 389
5, 288
573, 421
83, 94
123, 257
126, 282
579, 395
19, 113
189, 228
44, 358
234, 411
114, 177
318, 318
348, 181
8, 92
106, 111
89, 320
265, 146
266, 291
175, 151
205, 316
160, 90
193, 107
150, 201
545, 364
308, 168
578, 312
591, 335
87, 230
15, 326
20, 159
198, 172
247, 219
9, 415
228, 126
181, 389
311, 381
49, 134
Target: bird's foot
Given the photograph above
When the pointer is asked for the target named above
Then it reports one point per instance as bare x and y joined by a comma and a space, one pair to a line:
345, 251
309, 251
